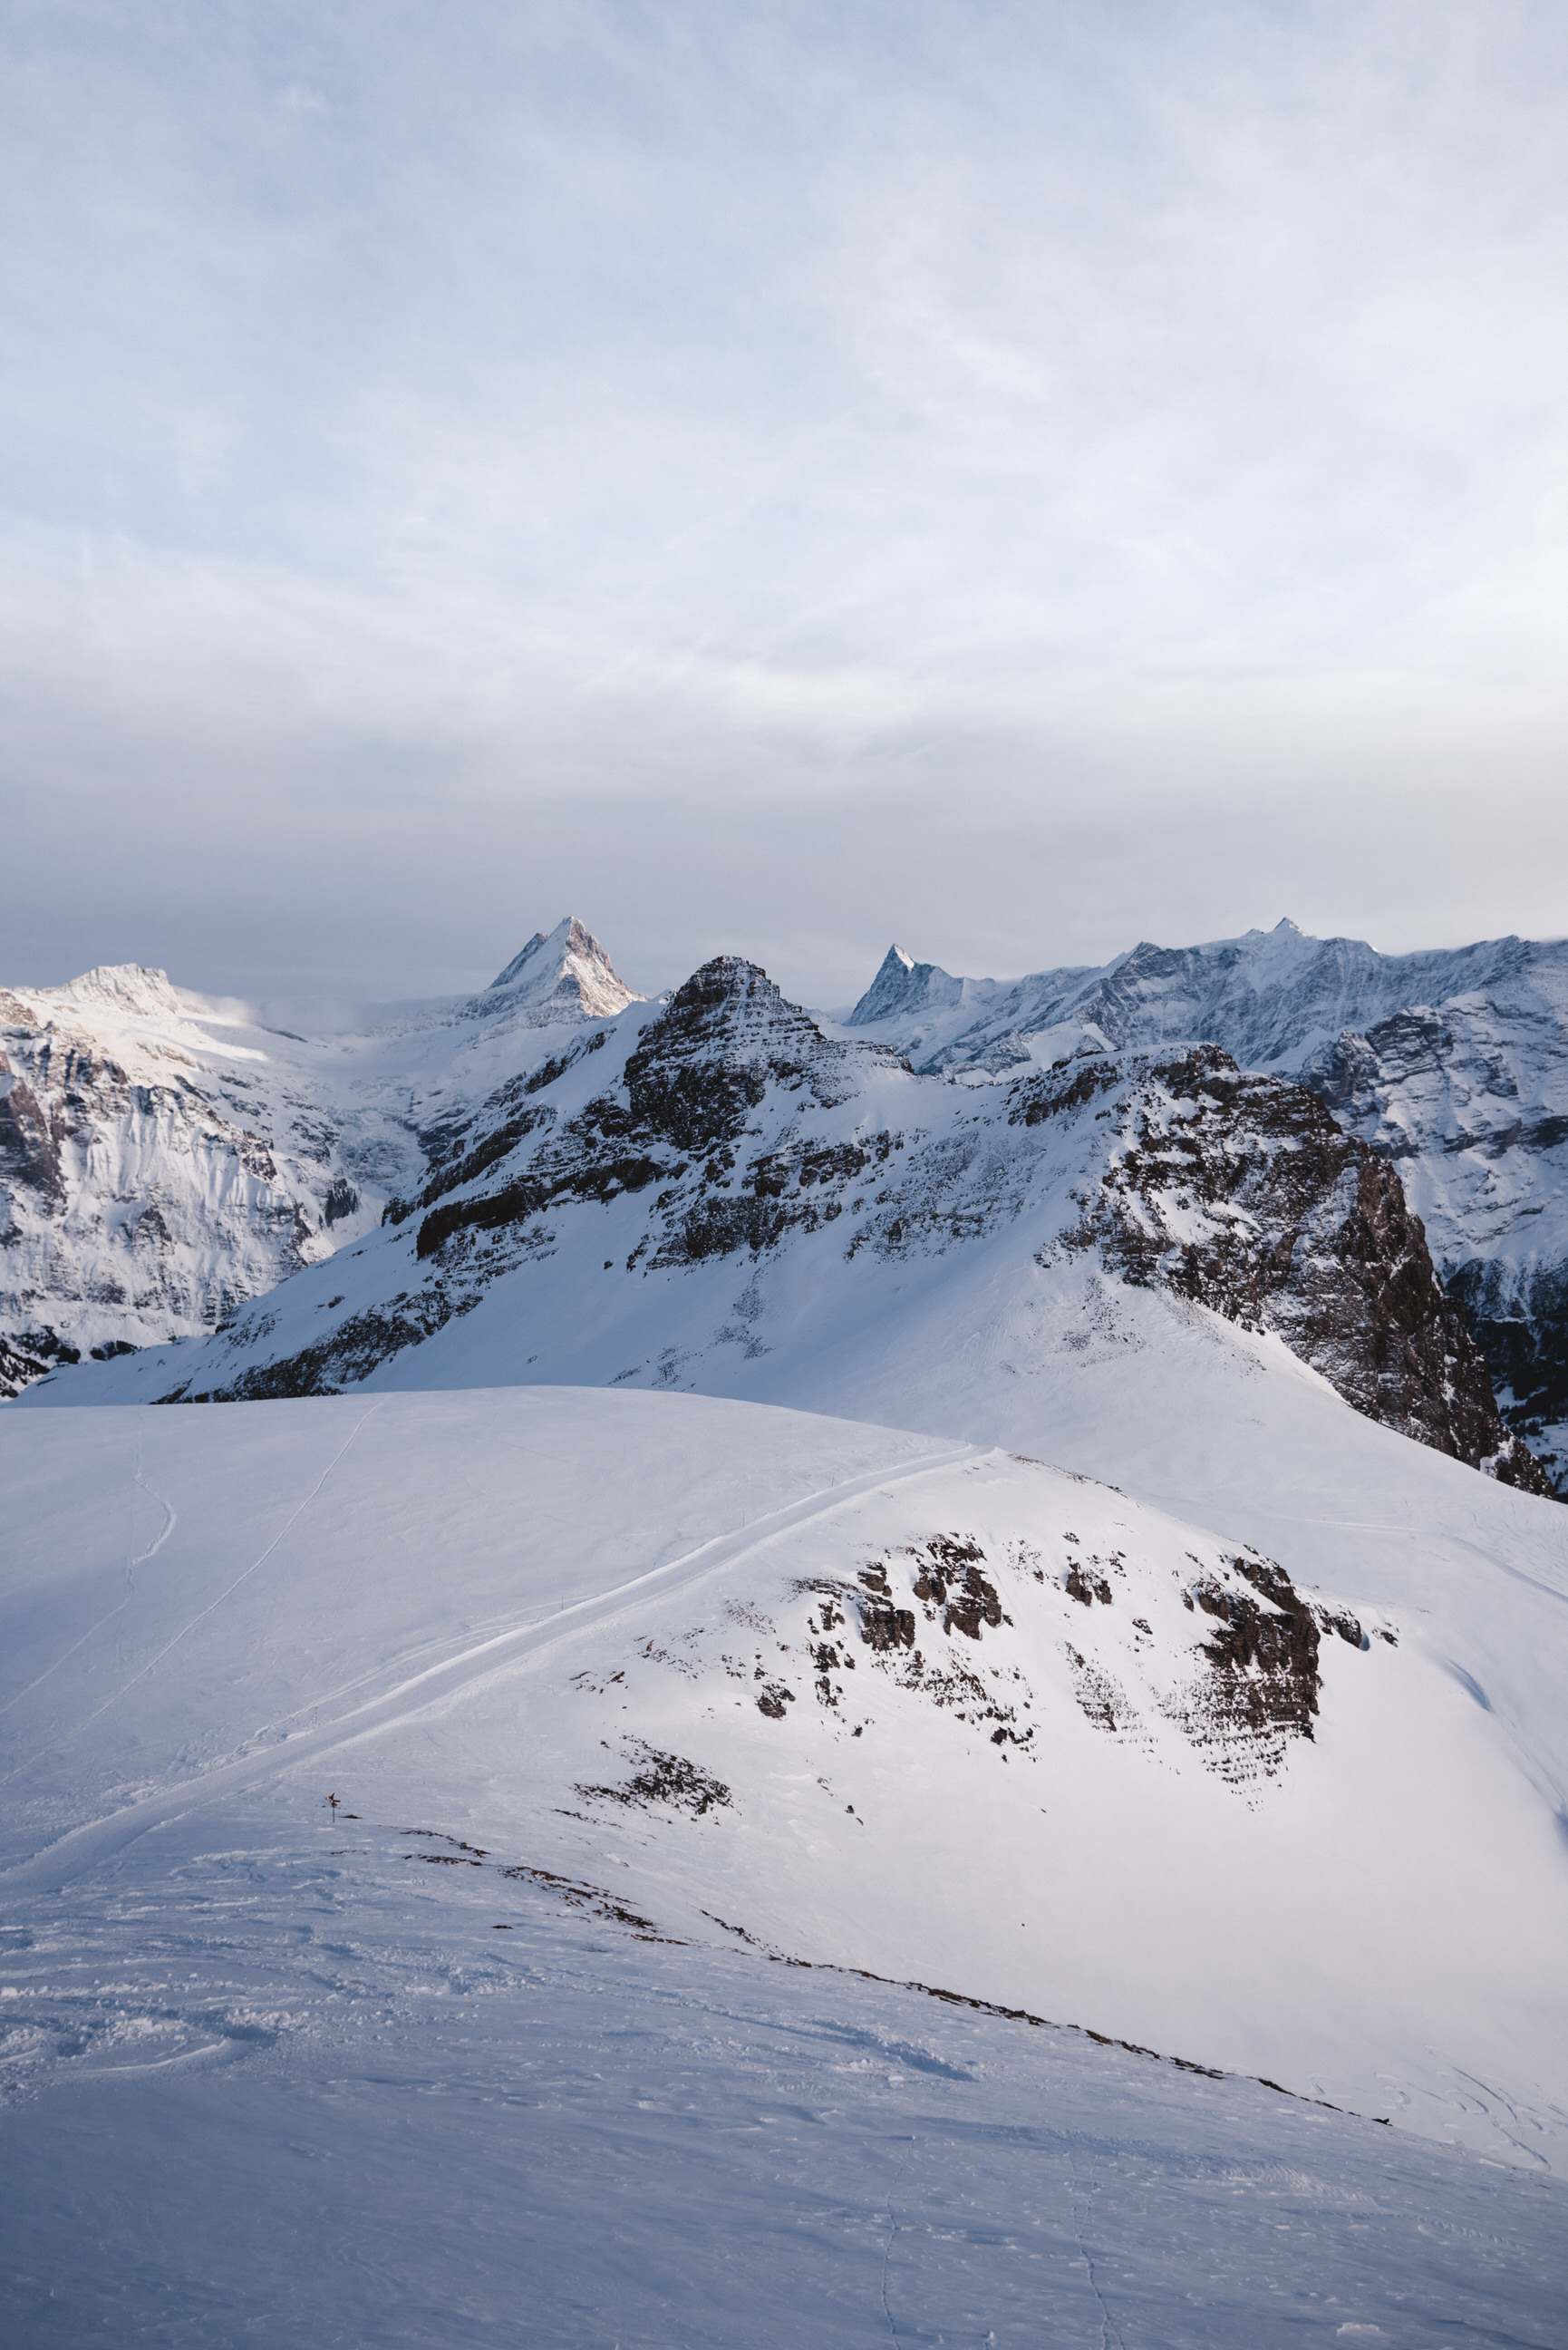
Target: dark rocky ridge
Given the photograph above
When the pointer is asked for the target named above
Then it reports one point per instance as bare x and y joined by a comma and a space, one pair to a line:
1447, 1069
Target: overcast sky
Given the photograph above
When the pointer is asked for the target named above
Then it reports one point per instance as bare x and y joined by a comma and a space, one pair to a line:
1015, 478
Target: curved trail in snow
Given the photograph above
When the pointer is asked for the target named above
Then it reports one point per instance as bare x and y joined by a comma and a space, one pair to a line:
98, 1840
202, 1613
170, 1520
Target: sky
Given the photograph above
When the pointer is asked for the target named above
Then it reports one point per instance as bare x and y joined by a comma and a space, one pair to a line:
1015, 479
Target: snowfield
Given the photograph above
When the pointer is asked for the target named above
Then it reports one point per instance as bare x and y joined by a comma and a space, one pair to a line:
346, 2108
672, 1689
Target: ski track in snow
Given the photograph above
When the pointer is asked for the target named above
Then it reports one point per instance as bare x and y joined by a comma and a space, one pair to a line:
170, 1520
261, 2081
892, 2236
433, 1685
202, 1613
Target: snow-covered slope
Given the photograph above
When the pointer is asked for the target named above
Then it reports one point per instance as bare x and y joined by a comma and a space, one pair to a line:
875, 1700
330, 2097
164, 1156
1256, 1765
1454, 1063
713, 1194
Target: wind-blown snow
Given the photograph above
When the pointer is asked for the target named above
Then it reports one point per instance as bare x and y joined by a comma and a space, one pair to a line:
448, 1604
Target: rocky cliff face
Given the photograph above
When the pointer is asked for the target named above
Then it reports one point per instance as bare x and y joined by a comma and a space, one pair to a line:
1470, 1100
1242, 1193
1453, 1064
133, 1208
726, 1129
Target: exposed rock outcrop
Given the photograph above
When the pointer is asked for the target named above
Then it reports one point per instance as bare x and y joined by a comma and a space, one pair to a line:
1453, 1062
1242, 1193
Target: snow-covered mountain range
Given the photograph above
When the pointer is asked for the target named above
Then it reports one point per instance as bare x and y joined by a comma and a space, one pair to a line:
167, 1159
763, 1198
165, 1156
1452, 1064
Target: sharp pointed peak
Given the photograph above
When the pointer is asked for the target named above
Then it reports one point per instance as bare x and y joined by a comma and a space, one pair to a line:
566, 970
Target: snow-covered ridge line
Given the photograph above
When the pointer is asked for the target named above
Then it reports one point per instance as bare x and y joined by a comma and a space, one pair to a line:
768, 1671
603, 1903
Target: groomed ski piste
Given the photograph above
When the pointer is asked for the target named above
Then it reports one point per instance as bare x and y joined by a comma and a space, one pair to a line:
1089, 1866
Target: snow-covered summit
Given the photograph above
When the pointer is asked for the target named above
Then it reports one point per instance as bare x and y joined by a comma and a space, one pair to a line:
565, 974
119, 987
1271, 998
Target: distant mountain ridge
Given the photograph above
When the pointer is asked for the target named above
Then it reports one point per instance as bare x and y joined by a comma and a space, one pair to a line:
1453, 1062
1270, 998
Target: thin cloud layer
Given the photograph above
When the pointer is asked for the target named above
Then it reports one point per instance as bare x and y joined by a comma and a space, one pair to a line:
1020, 478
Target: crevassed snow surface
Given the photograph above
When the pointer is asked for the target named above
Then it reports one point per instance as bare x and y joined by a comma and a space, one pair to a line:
277, 2073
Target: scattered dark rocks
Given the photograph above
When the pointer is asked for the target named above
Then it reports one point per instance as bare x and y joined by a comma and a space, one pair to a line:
950, 1577
342, 1200
664, 1779
30, 1355
1342, 1621
1265, 1682
349, 1354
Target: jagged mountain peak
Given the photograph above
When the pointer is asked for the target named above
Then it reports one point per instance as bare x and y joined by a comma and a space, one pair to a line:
903, 986
726, 1034
568, 973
